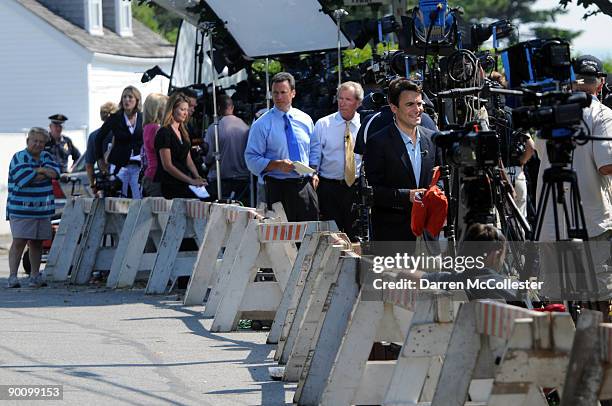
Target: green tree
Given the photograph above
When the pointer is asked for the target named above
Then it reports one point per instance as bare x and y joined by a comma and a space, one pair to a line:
157, 19
518, 12
603, 6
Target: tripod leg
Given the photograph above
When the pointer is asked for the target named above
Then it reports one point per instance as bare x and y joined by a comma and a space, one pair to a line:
544, 193
581, 224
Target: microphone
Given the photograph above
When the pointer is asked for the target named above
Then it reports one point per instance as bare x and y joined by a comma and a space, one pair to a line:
424, 153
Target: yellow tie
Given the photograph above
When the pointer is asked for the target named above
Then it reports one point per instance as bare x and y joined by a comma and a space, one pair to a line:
349, 156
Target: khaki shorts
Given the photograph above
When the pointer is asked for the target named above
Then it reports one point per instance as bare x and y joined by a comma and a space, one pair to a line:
31, 228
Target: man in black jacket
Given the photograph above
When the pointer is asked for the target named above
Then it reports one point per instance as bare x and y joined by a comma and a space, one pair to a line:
399, 161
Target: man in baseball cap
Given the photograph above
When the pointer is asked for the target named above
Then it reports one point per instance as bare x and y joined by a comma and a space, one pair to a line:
592, 162
588, 65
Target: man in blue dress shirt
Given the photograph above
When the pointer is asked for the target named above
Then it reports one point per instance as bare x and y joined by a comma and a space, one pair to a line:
339, 167
280, 137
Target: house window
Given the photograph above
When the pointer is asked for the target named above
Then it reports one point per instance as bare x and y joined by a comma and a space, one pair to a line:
94, 17
126, 9
124, 13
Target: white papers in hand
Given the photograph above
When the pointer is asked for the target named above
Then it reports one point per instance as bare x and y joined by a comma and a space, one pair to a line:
200, 191
302, 169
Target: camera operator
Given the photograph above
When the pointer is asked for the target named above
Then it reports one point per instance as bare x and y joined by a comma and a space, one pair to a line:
106, 110
398, 163
592, 162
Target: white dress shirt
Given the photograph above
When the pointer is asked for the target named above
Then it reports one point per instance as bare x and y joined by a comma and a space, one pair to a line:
330, 131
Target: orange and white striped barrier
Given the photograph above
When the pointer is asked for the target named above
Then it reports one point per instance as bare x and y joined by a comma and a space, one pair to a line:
303, 333
225, 229
306, 286
263, 244
522, 351
143, 227
187, 220
283, 320
282, 232
390, 315
84, 224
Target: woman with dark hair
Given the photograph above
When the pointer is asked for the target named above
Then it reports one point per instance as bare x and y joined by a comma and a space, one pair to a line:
124, 152
176, 170
485, 246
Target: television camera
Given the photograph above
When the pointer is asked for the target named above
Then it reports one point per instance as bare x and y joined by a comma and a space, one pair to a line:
540, 65
558, 117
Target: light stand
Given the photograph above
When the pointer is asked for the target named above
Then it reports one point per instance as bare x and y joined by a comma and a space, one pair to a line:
338, 14
268, 95
208, 28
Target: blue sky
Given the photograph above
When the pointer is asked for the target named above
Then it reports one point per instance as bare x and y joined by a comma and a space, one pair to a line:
595, 39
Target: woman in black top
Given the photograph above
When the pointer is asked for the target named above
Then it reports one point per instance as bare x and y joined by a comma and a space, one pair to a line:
126, 126
176, 170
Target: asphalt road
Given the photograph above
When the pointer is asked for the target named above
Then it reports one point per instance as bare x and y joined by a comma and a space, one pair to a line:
124, 348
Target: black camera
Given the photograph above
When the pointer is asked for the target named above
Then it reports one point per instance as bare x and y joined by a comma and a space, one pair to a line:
558, 117
108, 185
538, 63
556, 114
468, 147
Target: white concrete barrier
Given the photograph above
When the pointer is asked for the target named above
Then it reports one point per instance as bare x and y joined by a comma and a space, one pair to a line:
79, 250
225, 229
337, 311
309, 322
293, 291
589, 376
263, 245
187, 220
420, 320
142, 228
519, 350
105, 217
66, 238
146, 236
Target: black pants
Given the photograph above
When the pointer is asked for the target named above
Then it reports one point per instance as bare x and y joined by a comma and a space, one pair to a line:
177, 190
297, 196
336, 201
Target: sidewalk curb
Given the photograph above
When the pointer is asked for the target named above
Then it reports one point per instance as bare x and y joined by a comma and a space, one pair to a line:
5, 242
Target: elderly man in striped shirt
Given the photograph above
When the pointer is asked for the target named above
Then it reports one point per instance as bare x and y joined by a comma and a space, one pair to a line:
30, 203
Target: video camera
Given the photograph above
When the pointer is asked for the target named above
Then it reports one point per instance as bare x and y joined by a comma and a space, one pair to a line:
558, 117
432, 25
556, 114
474, 153
107, 184
469, 147
538, 64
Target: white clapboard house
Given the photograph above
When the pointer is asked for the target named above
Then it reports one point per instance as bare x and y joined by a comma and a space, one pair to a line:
69, 57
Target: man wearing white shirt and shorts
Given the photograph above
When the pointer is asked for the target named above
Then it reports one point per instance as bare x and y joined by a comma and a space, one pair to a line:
592, 163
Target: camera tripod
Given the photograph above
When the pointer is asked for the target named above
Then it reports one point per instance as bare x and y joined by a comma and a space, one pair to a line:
554, 180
